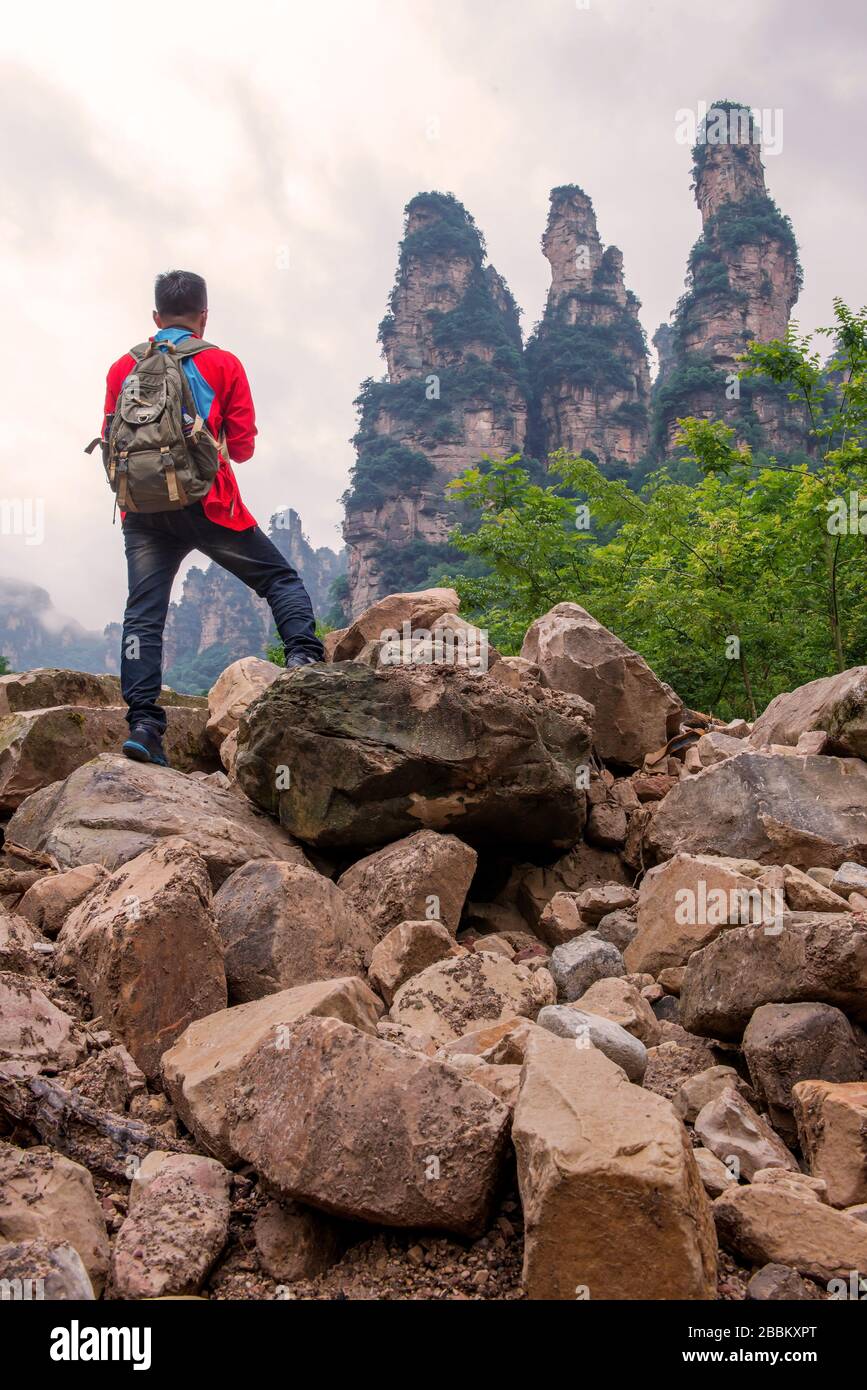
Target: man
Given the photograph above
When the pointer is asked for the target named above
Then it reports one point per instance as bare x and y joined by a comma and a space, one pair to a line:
219, 525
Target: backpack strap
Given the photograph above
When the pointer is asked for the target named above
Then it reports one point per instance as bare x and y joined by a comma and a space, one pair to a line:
189, 349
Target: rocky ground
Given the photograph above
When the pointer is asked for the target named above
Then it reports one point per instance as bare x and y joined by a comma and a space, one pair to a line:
413, 980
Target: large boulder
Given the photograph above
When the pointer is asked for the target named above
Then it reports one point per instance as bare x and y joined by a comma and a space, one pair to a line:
731, 1129
578, 964
48, 686
424, 875
774, 807
613, 1203
788, 1224
145, 947
50, 1270
44, 1196
832, 1127
35, 1035
420, 610
788, 1043
823, 959
470, 991
283, 925
177, 1225
593, 1030
49, 901
347, 756
635, 712
37, 747
405, 951
835, 704
111, 810
686, 902
201, 1070
234, 691
367, 1130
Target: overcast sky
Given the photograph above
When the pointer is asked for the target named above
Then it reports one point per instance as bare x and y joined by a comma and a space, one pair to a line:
272, 146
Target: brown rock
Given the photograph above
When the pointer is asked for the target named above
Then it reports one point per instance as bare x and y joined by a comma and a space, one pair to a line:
685, 903
635, 712
420, 610
731, 1129
21, 945
804, 894
42, 1269
425, 875
405, 951
295, 1242
618, 1000
561, 920
144, 946
832, 1128
177, 1225
704, 1086
714, 1175
201, 1070
823, 959
774, 1222
775, 808
367, 1130
111, 810
35, 1035
476, 990
533, 886
44, 1196
50, 900
234, 691
834, 704
779, 1283
283, 925
788, 1043
608, 1184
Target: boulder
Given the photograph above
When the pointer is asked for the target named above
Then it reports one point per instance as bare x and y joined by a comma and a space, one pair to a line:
685, 903
47, 686
716, 746
112, 809
21, 945
788, 1043
44, 1196
619, 928
822, 959
834, 704
349, 757
675, 1059
804, 894
144, 946
50, 900
283, 925
731, 1129
608, 1184
578, 964
561, 920
776, 808
234, 691
363, 1129
779, 1283
42, 1269
39, 746
295, 1242
35, 1035
501, 1044
832, 1128
635, 711
405, 951
177, 1225
704, 1086
592, 1030
619, 1000
471, 991
532, 886
849, 880
201, 1070
785, 1224
425, 875
420, 610
714, 1175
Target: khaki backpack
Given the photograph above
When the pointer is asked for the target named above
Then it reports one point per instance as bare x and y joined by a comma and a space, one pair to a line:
158, 453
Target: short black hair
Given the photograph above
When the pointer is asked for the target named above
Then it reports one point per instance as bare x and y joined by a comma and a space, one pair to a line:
179, 292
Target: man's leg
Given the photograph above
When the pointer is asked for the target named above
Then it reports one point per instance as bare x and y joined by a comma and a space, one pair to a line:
153, 556
255, 560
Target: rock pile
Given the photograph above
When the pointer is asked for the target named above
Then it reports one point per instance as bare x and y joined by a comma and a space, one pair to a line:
453, 983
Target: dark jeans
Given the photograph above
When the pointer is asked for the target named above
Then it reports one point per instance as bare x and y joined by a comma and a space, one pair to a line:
156, 543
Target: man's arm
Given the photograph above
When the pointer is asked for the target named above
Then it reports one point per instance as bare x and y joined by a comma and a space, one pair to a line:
239, 415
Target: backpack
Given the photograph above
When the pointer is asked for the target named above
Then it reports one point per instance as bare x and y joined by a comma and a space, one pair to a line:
157, 451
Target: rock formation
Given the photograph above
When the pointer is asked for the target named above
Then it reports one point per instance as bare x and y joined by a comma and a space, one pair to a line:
743, 279
455, 390
587, 359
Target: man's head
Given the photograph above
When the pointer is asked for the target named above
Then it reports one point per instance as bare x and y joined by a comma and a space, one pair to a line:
181, 298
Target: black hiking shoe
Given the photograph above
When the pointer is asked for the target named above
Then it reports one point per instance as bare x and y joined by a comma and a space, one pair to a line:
301, 659
145, 745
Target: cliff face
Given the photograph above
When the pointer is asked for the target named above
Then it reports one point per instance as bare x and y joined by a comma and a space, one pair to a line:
588, 358
33, 633
743, 279
218, 619
455, 390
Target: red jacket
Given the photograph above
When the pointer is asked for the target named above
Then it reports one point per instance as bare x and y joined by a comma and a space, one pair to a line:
224, 392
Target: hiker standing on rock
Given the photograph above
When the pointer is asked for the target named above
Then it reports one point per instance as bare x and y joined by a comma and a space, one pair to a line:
177, 409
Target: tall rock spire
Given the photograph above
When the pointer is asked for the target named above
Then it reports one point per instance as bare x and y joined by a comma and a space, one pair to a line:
455, 391
588, 358
743, 279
